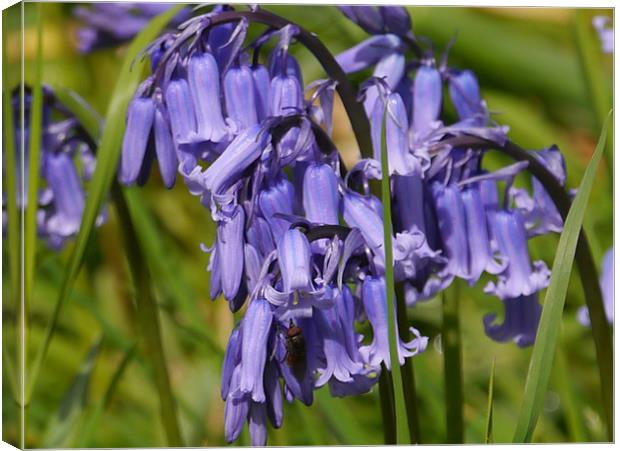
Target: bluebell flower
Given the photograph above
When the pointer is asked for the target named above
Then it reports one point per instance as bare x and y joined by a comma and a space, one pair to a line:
230, 249
256, 327
204, 84
321, 201
465, 96
521, 318
375, 305
521, 277
239, 92
540, 213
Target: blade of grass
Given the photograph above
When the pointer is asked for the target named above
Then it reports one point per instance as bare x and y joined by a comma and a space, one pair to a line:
148, 317
548, 329
453, 368
488, 434
107, 158
13, 232
31, 199
402, 426
89, 119
86, 432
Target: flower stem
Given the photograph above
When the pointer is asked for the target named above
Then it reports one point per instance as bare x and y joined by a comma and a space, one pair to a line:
386, 398
148, 316
407, 372
453, 368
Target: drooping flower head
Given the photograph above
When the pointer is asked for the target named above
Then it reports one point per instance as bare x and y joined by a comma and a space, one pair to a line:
66, 162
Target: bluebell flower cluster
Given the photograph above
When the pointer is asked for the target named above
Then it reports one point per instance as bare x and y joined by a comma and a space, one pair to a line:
105, 25
300, 242
67, 161
464, 220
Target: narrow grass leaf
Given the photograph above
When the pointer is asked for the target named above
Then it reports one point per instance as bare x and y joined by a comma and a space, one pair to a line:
13, 221
548, 329
402, 427
107, 158
488, 430
88, 118
34, 164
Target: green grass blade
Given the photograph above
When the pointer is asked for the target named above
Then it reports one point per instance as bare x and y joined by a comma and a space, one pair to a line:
402, 427
453, 364
13, 240
90, 423
548, 329
488, 430
67, 422
148, 317
86, 115
33, 162
107, 158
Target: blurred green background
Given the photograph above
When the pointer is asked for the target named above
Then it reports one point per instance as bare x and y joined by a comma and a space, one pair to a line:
536, 71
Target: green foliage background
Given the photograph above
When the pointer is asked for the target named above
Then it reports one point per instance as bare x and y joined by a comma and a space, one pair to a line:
531, 74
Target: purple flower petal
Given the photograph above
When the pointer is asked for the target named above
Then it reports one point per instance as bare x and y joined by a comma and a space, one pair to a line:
140, 115
180, 111
242, 152
426, 100
239, 93
320, 194
164, 148
521, 317
230, 251
277, 198
204, 83
256, 329
294, 261
262, 86
465, 95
